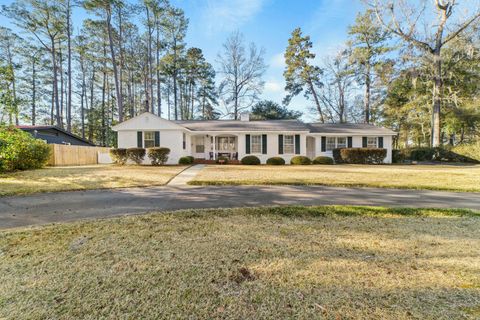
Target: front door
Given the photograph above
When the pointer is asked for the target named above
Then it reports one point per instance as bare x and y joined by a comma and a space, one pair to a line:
311, 147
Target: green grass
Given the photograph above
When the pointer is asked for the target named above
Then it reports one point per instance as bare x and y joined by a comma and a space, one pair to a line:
464, 178
249, 263
52, 179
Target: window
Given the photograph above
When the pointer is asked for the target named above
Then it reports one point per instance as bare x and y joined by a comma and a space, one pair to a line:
331, 143
335, 142
256, 142
226, 144
184, 141
149, 139
341, 142
371, 142
288, 144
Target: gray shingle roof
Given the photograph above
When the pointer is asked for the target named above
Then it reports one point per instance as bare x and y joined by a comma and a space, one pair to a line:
348, 128
236, 125
283, 125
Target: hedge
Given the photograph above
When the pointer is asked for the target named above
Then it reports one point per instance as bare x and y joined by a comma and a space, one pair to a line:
360, 155
224, 160
158, 155
322, 160
250, 160
185, 160
442, 154
300, 160
20, 151
119, 155
136, 154
276, 161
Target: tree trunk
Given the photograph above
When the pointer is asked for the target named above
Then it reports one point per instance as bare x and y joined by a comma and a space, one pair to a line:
69, 48
115, 69
366, 101
437, 99
317, 102
34, 90
55, 84
159, 93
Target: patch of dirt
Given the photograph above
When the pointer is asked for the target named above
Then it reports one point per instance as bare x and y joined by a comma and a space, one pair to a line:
242, 274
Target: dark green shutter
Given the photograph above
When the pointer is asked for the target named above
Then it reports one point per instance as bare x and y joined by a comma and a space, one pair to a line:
364, 142
280, 144
349, 144
380, 142
139, 139
297, 144
324, 144
157, 138
264, 143
247, 144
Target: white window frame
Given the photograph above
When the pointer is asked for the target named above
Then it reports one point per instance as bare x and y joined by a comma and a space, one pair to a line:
336, 144
259, 144
343, 145
288, 145
371, 144
152, 140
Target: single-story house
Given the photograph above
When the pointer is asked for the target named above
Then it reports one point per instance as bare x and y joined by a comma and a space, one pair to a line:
54, 134
210, 139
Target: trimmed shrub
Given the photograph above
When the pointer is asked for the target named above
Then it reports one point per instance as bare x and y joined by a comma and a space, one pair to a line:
136, 154
398, 156
300, 160
363, 155
337, 157
192, 159
250, 160
158, 155
119, 155
276, 161
322, 160
20, 151
185, 160
222, 160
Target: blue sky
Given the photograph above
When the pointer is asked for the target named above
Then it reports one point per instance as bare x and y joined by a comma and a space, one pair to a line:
268, 23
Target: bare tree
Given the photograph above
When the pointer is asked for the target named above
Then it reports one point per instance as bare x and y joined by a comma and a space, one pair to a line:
242, 74
429, 33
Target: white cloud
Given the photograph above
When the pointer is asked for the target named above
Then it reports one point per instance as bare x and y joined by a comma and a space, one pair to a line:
228, 15
278, 61
273, 86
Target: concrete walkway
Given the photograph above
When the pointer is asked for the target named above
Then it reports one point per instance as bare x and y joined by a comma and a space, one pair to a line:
70, 206
185, 176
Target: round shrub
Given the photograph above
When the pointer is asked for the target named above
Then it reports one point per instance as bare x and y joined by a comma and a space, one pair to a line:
222, 160
158, 155
300, 160
250, 160
185, 160
192, 159
322, 160
136, 154
20, 151
119, 155
276, 161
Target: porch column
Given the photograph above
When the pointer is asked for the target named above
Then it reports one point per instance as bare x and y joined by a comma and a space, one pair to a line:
214, 147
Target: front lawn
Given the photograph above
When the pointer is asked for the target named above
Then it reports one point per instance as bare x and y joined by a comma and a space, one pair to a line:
434, 177
84, 178
250, 263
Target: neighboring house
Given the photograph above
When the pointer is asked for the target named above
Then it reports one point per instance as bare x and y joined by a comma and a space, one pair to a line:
53, 134
209, 139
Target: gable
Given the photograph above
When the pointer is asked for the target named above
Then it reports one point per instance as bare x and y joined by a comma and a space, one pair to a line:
147, 121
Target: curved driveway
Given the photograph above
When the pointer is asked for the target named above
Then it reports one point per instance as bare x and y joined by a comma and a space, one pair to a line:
69, 206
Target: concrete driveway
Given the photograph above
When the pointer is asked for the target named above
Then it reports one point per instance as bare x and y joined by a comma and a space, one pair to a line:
69, 206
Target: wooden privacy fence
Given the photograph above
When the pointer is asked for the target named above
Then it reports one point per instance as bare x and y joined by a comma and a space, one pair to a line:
68, 155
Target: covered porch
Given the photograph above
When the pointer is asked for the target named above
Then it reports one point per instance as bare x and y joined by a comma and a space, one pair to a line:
212, 146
